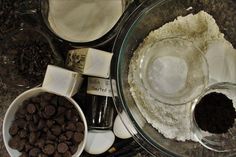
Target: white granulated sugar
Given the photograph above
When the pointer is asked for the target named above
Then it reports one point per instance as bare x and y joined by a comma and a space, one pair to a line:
170, 74
83, 20
174, 121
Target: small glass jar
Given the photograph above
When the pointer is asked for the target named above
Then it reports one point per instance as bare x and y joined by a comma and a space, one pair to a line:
99, 104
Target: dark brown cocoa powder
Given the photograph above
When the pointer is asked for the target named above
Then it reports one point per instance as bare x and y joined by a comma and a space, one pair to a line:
215, 113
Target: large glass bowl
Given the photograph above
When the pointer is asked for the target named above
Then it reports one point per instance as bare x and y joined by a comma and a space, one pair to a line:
151, 15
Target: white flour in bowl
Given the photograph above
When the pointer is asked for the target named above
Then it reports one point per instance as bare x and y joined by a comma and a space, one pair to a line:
83, 20
174, 121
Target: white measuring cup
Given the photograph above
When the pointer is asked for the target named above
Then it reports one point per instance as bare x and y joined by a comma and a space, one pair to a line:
57, 81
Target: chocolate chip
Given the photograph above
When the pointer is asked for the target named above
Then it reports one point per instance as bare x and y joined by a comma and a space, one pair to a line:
68, 104
24, 155
28, 147
28, 117
32, 137
71, 126
62, 138
49, 149
50, 142
22, 133
38, 134
68, 114
62, 148
46, 116
49, 110
43, 103
50, 123
67, 154
34, 152
69, 134
14, 142
69, 143
61, 110
60, 120
63, 102
43, 155
21, 145
63, 128
45, 129
56, 130
78, 137
13, 130
31, 108
56, 154
41, 114
20, 123
54, 100
80, 127
50, 136
32, 127
41, 124
73, 149
20, 113
25, 103
47, 96
40, 143
35, 119
74, 118
76, 113
35, 99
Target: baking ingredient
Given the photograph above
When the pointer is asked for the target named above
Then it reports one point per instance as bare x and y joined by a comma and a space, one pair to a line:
215, 113
99, 104
24, 58
174, 121
83, 20
43, 129
171, 76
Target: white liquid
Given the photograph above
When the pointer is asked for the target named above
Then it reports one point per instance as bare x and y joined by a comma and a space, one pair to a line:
83, 20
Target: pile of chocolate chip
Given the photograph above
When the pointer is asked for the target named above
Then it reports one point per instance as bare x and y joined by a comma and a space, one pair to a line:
47, 126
